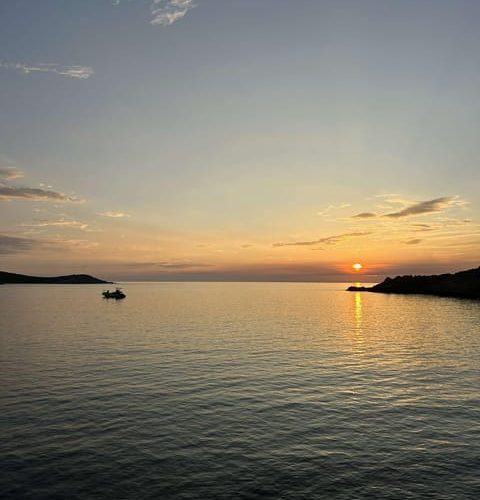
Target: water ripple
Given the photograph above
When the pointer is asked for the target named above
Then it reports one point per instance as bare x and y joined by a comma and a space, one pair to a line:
245, 391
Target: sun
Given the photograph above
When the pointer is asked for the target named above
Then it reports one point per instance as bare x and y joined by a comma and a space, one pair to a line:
357, 266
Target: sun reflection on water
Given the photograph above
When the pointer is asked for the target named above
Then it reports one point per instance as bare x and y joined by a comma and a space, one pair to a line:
358, 313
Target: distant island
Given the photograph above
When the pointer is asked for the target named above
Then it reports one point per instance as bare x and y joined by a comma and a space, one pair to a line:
464, 284
71, 279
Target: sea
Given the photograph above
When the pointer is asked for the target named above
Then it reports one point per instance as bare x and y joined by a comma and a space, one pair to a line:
213, 391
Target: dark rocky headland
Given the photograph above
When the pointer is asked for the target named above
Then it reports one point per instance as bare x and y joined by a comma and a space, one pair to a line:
71, 279
464, 284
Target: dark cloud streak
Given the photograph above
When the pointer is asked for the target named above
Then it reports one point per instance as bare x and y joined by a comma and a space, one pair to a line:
365, 215
329, 240
12, 244
420, 208
8, 193
424, 207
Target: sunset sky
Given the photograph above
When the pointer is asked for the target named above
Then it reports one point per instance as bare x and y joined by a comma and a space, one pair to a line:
239, 139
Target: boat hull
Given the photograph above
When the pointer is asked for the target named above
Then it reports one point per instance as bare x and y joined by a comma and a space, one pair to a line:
117, 295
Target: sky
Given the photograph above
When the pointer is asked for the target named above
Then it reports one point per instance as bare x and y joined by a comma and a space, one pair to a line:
239, 139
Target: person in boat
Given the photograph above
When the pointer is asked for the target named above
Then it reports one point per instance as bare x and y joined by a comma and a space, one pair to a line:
117, 294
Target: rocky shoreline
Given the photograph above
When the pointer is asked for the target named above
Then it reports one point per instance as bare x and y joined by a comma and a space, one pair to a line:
464, 284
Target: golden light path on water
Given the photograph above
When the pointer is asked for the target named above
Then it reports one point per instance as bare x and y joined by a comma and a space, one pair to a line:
358, 312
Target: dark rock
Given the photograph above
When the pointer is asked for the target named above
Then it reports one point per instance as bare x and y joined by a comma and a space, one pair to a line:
358, 289
464, 284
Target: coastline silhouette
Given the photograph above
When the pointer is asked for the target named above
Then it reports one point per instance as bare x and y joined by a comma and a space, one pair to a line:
71, 279
464, 284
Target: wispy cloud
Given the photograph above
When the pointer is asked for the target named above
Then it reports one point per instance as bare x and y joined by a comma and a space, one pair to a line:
8, 193
427, 207
79, 72
417, 208
364, 215
10, 173
10, 245
13, 244
167, 12
455, 222
115, 215
413, 241
60, 223
422, 227
329, 240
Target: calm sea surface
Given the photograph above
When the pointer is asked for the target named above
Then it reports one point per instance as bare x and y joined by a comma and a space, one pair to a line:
237, 391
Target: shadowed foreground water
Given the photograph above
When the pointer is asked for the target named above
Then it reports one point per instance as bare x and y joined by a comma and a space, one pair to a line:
237, 391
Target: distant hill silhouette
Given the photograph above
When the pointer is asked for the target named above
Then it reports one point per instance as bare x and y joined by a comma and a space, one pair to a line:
465, 284
71, 279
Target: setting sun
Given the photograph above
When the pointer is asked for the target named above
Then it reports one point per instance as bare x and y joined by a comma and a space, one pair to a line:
357, 267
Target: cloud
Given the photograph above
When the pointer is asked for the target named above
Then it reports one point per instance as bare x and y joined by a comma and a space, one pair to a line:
115, 215
79, 72
13, 245
455, 222
329, 240
8, 193
364, 215
72, 224
422, 227
413, 241
167, 12
426, 207
10, 245
418, 208
10, 173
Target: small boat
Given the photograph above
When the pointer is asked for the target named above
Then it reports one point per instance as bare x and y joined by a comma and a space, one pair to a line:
117, 294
